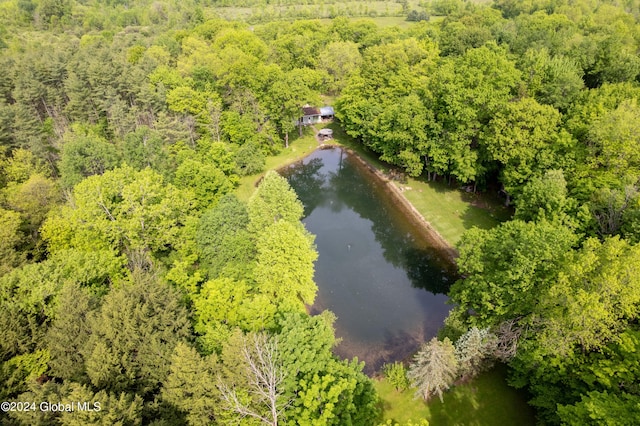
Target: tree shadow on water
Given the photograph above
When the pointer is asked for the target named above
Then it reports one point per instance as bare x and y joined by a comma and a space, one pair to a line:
426, 271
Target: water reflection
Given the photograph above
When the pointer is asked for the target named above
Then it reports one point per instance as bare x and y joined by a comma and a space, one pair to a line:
382, 279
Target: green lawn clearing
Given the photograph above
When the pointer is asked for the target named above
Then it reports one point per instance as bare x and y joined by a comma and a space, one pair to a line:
487, 400
298, 149
451, 210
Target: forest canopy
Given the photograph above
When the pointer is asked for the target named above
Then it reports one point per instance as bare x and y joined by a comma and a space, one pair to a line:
132, 274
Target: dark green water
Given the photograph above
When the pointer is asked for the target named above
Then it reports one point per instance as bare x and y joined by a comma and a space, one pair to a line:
376, 270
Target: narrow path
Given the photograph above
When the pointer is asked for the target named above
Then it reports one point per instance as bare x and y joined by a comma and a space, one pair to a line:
315, 134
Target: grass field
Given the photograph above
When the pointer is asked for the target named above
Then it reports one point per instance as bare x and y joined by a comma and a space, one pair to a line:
298, 149
451, 211
487, 400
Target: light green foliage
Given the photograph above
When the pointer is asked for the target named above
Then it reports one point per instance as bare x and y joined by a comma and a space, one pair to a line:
33, 288
434, 368
191, 385
595, 295
237, 128
545, 198
22, 369
396, 374
339, 59
273, 201
220, 307
186, 100
133, 335
601, 408
614, 140
326, 391
21, 165
508, 268
284, 269
206, 181
122, 209
553, 80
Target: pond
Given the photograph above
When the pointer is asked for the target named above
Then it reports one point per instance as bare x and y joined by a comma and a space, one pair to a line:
376, 270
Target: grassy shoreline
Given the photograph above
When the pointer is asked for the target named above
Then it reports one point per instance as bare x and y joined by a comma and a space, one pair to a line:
485, 401
444, 211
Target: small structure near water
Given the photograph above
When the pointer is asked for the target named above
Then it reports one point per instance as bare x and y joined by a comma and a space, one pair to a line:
325, 135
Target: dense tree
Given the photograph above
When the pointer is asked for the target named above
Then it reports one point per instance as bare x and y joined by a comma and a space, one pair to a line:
84, 156
273, 201
224, 243
122, 209
191, 385
284, 269
508, 268
522, 137
133, 336
326, 391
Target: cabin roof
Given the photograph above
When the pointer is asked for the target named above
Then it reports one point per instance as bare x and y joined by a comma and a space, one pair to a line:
310, 111
326, 110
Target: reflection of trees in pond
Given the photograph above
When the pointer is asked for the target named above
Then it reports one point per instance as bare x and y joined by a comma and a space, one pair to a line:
305, 178
425, 267
427, 274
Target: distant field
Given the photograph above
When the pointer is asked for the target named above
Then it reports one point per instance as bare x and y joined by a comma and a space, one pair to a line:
271, 12
381, 21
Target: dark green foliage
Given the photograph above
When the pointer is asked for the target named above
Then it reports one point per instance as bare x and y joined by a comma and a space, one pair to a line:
223, 240
507, 268
69, 332
191, 385
133, 336
84, 156
249, 159
145, 148
417, 16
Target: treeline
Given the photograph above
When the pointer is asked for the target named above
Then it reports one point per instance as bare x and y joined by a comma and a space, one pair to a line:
130, 273
541, 98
